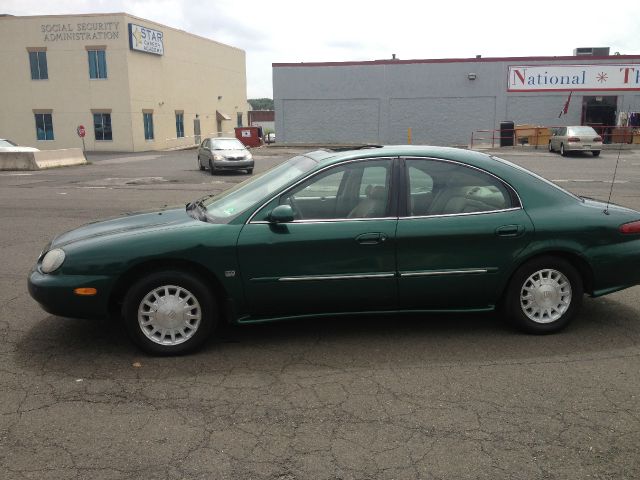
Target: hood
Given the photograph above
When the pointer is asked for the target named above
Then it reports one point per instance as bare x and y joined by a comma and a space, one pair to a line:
232, 153
130, 223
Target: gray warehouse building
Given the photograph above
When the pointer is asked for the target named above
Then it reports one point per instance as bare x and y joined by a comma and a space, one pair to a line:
443, 101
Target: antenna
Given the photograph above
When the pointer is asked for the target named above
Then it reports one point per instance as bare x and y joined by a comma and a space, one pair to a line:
613, 181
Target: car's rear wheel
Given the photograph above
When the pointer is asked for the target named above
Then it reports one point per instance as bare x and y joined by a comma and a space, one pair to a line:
596, 153
169, 312
550, 147
562, 151
544, 295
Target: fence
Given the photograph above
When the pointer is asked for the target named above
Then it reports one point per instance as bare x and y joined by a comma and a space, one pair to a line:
539, 136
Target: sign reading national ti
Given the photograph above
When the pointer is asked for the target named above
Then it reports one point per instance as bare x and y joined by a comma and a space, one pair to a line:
573, 77
143, 39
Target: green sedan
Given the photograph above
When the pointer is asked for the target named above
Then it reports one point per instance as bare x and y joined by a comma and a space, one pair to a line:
390, 229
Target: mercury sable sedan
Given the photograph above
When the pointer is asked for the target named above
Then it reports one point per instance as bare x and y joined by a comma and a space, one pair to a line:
390, 229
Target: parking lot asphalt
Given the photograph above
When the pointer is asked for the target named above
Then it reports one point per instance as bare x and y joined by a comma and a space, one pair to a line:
407, 397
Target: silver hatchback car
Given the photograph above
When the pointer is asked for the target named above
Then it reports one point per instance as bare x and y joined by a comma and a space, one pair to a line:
575, 139
224, 154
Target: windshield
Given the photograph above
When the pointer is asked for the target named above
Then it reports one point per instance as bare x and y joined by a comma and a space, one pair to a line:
231, 203
7, 143
226, 144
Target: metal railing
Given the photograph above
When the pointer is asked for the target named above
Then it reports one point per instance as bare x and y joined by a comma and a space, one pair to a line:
538, 136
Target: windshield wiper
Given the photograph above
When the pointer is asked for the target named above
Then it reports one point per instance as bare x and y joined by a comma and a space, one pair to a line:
198, 206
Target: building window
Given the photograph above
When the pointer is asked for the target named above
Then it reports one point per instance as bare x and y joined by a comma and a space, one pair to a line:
102, 126
180, 125
38, 62
239, 117
148, 126
97, 64
44, 126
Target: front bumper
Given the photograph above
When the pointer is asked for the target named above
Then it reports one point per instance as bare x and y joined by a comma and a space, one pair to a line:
232, 164
54, 293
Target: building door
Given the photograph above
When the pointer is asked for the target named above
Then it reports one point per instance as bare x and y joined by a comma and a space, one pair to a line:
196, 130
599, 112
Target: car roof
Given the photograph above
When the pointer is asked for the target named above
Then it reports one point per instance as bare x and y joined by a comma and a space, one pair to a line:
324, 157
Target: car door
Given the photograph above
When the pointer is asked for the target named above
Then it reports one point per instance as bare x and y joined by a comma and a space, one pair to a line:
459, 233
337, 255
202, 153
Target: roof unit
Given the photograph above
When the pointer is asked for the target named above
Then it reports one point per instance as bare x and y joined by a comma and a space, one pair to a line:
591, 51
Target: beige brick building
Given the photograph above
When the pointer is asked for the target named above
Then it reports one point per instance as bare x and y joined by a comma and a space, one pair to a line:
133, 84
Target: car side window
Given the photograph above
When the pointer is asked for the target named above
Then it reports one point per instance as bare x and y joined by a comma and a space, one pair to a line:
446, 188
355, 190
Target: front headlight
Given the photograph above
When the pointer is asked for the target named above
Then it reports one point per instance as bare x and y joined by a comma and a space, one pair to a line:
217, 156
249, 156
52, 260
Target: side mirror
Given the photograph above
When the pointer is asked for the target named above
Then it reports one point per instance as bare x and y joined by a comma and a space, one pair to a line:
281, 214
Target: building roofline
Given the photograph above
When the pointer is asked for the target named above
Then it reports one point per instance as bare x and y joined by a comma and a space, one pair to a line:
584, 58
112, 14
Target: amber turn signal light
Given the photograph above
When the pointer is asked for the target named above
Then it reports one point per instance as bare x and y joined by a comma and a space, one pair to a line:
86, 291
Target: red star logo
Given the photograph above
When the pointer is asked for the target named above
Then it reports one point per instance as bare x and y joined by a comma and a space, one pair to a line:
602, 77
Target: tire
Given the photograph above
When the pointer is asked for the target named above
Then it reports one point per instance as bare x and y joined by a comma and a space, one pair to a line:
250, 171
212, 169
550, 147
596, 153
562, 151
200, 164
549, 307
172, 330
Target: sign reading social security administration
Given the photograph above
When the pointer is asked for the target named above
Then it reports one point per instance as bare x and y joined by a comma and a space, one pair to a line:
145, 39
573, 77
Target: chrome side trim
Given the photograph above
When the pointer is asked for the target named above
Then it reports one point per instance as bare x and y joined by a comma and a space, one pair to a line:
461, 214
312, 174
328, 220
431, 273
335, 277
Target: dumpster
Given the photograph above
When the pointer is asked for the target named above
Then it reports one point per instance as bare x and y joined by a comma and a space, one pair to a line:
506, 134
249, 136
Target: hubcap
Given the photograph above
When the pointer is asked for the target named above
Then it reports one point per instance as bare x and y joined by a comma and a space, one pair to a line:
169, 315
545, 296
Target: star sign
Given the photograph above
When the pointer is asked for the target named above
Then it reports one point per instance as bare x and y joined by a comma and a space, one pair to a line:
138, 37
602, 77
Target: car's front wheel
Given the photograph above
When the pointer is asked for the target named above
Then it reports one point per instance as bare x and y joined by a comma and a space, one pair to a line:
596, 153
212, 169
169, 312
200, 166
544, 295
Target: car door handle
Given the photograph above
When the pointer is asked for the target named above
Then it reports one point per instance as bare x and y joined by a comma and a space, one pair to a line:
371, 238
510, 230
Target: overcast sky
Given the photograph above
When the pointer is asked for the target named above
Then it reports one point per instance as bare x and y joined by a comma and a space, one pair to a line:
331, 30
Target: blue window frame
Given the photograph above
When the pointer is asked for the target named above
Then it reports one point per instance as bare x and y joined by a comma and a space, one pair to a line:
44, 126
102, 126
97, 64
148, 126
179, 125
38, 63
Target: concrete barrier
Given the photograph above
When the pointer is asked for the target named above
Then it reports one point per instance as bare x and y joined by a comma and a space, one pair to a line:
42, 159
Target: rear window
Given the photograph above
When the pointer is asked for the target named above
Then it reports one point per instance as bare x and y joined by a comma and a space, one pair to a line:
582, 131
